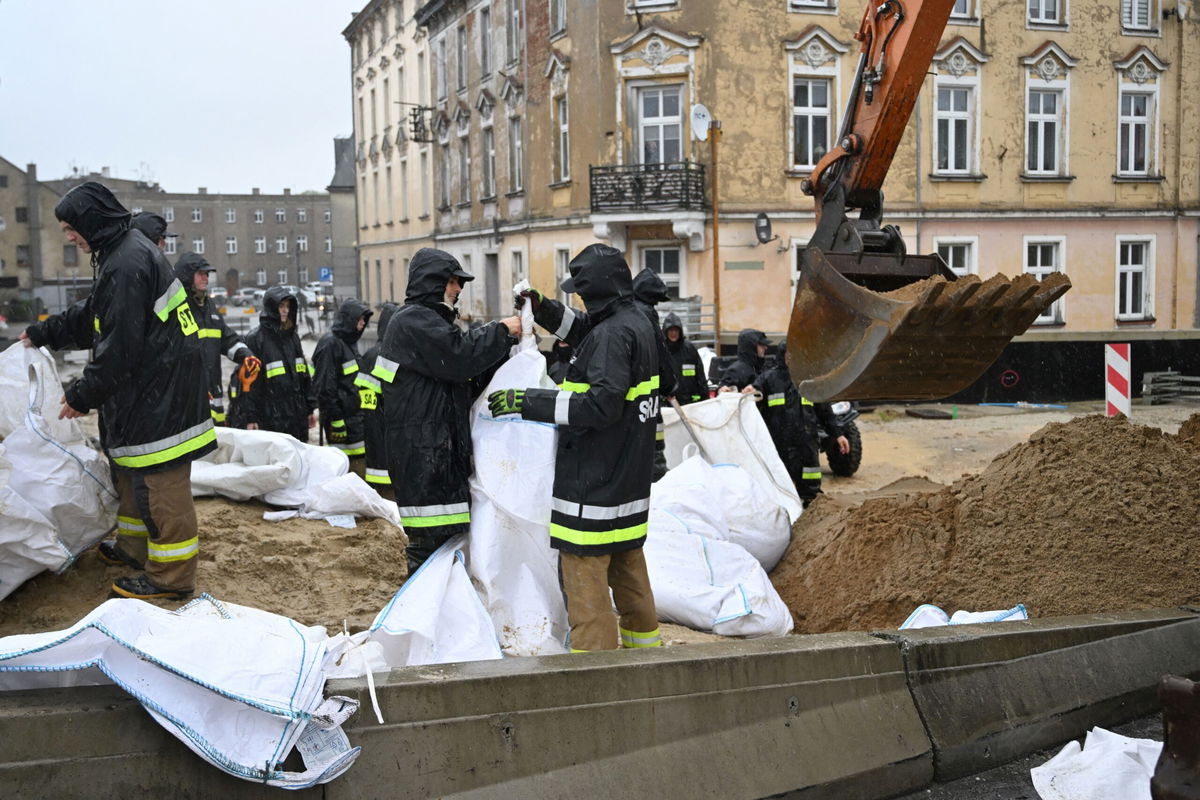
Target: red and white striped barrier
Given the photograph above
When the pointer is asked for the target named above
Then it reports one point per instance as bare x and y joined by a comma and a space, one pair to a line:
1116, 379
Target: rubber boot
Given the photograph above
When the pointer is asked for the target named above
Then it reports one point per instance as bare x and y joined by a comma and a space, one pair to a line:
1177, 773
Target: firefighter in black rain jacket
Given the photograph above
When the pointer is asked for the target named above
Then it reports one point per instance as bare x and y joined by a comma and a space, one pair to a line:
431, 371
370, 400
792, 421
691, 385
742, 373
280, 398
335, 362
193, 271
648, 291
146, 375
605, 411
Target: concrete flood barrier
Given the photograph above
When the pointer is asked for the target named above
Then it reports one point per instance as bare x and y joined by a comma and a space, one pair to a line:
847, 715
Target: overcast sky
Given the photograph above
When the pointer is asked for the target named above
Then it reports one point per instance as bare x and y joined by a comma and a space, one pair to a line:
226, 94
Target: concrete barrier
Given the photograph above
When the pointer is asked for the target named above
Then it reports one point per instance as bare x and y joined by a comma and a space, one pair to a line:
991, 693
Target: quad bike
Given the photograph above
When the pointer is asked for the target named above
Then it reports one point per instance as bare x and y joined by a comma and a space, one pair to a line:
843, 465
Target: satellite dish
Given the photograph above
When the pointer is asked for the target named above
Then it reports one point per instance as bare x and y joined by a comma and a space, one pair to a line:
762, 228
701, 120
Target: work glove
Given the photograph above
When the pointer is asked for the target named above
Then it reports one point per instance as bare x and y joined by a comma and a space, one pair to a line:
506, 401
337, 431
535, 299
252, 363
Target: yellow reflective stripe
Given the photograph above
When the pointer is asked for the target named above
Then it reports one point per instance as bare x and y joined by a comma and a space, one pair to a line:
367, 382
659, 436
433, 522
688, 373
378, 476
573, 386
301, 366
96, 323
357, 449
338, 423
168, 301
776, 401
385, 369
169, 453
218, 416
275, 373
645, 387
804, 401
810, 476
209, 333
635, 639
131, 526
179, 551
576, 650
597, 537
695, 397
349, 367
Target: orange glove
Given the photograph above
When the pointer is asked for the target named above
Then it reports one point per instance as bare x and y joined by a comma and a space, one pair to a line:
248, 372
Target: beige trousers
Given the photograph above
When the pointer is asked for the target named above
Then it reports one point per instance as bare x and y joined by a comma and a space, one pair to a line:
586, 582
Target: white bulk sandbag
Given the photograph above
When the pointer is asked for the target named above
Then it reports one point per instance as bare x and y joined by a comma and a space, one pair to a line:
239, 686
276, 467
930, 616
56, 494
1108, 767
732, 431
710, 585
725, 502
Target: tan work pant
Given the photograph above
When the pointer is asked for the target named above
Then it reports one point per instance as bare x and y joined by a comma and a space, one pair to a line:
156, 524
586, 581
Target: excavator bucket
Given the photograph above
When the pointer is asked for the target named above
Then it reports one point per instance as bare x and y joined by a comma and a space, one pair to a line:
921, 334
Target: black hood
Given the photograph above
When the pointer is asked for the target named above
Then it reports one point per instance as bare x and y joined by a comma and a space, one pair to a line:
92, 210
188, 265
152, 225
649, 288
428, 273
673, 321
599, 275
345, 325
748, 341
385, 314
563, 351
271, 300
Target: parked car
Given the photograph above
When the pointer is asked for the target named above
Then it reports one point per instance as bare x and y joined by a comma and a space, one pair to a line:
218, 295
245, 296
319, 287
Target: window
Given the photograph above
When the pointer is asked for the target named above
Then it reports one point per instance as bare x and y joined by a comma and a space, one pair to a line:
197, 215
170, 245
70, 255
558, 16
485, 41
302, 243
464, 170
1133, 147
302, 275
961, 10
374, 116
169, 214
1135, 262
22, 214
489, 163
260, 244
424, 185
664, 261
953, 130
258, 216
1043, 125
444, 177
328, 244
562, 260
280, 215
805, 5
4, 178
281, 244
659, 125
260, 277
328, 215
517, 266
387, 104
198, 245
1135, 15
301, 215
1042, 257
514, 30
462, 57
1044, 12
389, 196
516, 155
959, 254
231, 245
563, 162
811, 120
440, 78
230, 215
404, 189
23, 255
282, 276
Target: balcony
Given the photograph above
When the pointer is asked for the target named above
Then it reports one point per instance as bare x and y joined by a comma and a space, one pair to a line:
647, 187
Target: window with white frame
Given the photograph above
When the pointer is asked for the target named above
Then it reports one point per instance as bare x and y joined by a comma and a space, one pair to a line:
516, 262
260, 244
954, 135
558, 16
489, 163
1044, 12
260, 277
198, 245
403, 188
485, 40
281, 276
231, 245
302, 243
514, 30
806, 5
1043, 256
1044, 133
197, 215
280, 215
958, 253
1135, 128
258, 216
812, 120
464, 169
516, 155
169, 245
230, 215
462, 57
302, 215
444, 177
660, 124
302, 276
281, 244
440, 70
424, 166
328, 244
562, 271
1136, 15
961, 10
563, 122
665, 262
1135, 267
328, 215
169, 213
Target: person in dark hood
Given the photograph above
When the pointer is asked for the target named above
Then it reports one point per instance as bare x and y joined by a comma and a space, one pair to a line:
279, 397
605, 410
430, 371
193, 272
370, 400
792, 421
146, 376
743, 372
691, 385
648, 291
560, 359
153, 227
335, 362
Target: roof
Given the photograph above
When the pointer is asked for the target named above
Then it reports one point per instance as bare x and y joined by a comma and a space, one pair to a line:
343, 159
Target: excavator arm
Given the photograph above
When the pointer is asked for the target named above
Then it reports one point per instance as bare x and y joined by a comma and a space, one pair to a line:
871, 322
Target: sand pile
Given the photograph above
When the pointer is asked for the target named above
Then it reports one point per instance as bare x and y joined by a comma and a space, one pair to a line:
1086, 516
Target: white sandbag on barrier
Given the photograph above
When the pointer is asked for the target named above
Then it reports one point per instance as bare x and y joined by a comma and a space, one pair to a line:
56, 494
710, 585
727, 503
1108, 767
239, 686
930, 616
732, 431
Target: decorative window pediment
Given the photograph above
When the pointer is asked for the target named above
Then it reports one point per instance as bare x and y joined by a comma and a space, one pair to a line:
1141, 66
462, 116
384, 62
511, 91
655, 50
398, 52
1049, 62
958, 57
441, 126
370, 73
557, 68
815, 48
485, 102
358, 83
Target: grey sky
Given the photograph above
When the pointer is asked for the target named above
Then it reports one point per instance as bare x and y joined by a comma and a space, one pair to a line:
226, 94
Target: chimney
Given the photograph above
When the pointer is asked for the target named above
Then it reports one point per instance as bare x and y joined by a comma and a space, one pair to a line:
104, 172
287, 191
255, 190
202, 190
31, 171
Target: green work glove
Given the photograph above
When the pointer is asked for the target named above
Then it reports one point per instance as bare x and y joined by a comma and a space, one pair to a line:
506, 401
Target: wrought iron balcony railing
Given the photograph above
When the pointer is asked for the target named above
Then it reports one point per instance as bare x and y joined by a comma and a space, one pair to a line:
648, 187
